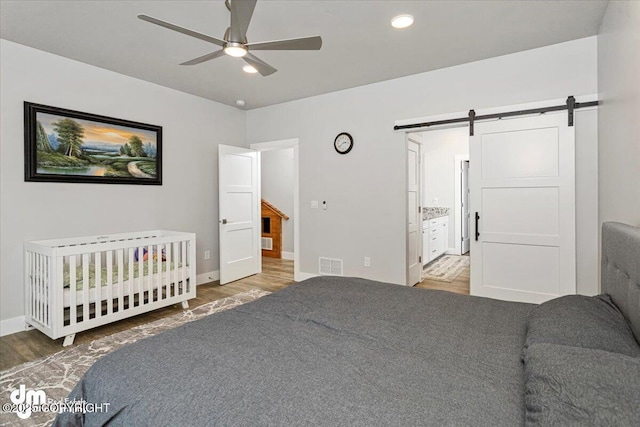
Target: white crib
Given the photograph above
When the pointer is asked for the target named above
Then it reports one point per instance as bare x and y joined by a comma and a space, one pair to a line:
76, 284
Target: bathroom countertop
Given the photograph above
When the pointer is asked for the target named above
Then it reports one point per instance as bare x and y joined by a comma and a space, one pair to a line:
433, 212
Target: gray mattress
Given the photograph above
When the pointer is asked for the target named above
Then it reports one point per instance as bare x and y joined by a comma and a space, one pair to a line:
326, 351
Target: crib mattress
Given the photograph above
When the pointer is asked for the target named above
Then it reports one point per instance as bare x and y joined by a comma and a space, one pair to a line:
128, 286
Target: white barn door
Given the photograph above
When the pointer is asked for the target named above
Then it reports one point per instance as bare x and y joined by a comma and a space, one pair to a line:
522, 180
239, 210
414, 218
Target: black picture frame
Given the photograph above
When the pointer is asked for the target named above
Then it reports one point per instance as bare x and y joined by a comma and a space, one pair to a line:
80, 156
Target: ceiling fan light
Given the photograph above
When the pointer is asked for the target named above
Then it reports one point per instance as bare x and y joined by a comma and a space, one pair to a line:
249, 69
402, 21
236, 50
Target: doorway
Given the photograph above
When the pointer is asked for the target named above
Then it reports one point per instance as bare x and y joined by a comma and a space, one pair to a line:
442, 153
279, 189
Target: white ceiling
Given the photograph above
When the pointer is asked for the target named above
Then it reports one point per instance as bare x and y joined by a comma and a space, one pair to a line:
359, 44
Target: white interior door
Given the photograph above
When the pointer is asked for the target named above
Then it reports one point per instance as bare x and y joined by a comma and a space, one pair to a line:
239, 209
466, 213
414, 220
523, 194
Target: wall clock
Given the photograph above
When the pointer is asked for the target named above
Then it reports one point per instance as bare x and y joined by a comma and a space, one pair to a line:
343, 143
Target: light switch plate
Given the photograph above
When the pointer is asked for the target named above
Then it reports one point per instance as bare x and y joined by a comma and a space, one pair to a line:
314, 204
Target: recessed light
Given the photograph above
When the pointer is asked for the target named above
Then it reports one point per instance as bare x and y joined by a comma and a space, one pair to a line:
240, 102
402, 21
249, 69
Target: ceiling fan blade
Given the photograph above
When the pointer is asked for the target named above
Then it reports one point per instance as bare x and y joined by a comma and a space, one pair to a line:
257, 63
205, 58
241, 13
182, 30
305, 43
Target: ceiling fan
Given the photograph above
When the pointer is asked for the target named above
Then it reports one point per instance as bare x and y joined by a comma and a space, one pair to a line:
235, 43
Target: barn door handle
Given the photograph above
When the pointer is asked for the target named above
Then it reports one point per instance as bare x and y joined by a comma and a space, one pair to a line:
477, 232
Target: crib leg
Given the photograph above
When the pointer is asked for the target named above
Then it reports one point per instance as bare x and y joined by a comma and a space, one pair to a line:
68, 340
185, 305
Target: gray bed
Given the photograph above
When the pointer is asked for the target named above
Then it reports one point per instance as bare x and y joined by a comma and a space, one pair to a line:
347, 351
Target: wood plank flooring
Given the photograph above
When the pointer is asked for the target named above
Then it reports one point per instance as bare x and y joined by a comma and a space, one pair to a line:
26, 346
460, 284
277, 274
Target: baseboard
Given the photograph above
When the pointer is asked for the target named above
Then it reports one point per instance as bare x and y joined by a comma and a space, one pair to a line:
209, 277
13, 325
287, 255
304, 276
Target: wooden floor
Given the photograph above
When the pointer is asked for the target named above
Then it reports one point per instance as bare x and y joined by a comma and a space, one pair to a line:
30, 345
460, 284
276, 274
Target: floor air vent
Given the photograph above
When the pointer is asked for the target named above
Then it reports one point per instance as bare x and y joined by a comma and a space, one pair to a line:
330, 266
267, 243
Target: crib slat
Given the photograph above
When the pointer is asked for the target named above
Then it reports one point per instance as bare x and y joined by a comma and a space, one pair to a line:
149, 276
184, 266
42, 292
140, 275
45, 291
37, 287
57, 286
109, 282
168, 268
36, 280
158, 275
85, 287
34, 286
121, 278
131, 279
174, 272
98, 267
72, 290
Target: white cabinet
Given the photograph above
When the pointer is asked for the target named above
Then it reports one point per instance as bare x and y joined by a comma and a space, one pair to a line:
435, 235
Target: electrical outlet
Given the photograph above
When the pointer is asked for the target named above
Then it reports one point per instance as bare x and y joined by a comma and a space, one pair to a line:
367, 261
207, 254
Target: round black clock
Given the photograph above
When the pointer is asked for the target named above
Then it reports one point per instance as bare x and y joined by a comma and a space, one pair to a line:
343, 143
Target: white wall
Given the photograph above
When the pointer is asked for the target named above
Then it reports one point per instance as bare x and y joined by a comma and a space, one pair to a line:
187, 200
439, 149
619, 118
365, 189
277, 188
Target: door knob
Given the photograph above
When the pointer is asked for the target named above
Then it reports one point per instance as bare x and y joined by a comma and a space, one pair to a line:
224, 221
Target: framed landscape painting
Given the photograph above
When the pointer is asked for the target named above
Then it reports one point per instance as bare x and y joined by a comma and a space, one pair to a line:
70, 146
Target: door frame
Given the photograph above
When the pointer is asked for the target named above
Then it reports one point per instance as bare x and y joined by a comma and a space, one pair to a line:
457, 212
281, 145
416, 139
